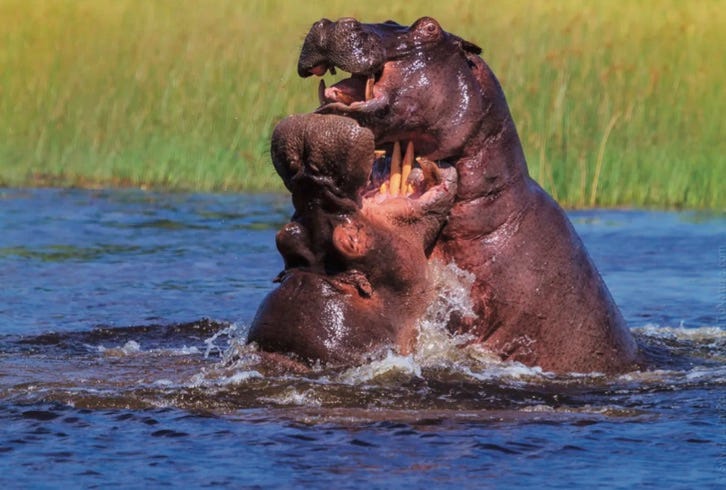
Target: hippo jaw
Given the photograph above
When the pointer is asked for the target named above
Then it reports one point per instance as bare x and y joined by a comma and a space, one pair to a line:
355, 252
407, 83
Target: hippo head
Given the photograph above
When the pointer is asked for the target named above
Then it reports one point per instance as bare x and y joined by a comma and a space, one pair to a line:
416, 83
356, 276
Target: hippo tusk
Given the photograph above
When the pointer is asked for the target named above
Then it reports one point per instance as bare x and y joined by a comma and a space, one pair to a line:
395, 180
432, 176
369, 87
406, 169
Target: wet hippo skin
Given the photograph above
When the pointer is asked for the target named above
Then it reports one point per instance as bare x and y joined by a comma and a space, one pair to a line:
356, 272
537, 296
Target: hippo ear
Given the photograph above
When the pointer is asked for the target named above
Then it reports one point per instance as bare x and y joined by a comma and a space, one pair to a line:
351, 240
468, 47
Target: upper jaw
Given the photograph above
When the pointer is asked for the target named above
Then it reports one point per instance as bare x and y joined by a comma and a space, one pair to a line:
366, 99
360, 93
319, 65
346, 44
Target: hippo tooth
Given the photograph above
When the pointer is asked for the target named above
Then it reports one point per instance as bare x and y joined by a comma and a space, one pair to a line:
406, 168
369, 88
321, 91
395, 185
432, 176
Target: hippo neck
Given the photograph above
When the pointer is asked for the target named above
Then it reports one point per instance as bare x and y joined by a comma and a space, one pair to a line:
496, 154
493, 177
496, 162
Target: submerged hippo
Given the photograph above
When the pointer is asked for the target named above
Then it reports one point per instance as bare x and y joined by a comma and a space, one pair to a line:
537, 295
356, 272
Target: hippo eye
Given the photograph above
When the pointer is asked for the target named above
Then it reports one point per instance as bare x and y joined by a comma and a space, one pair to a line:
430, 28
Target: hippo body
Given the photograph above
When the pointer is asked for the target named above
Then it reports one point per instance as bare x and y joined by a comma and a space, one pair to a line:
537, 296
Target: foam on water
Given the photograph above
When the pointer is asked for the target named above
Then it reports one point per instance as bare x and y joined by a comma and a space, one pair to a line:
391, 365
133, 347
697, 334
294, 397
159, 366
438, 351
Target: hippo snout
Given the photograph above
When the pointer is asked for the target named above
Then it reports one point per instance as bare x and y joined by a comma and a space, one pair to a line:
346, 44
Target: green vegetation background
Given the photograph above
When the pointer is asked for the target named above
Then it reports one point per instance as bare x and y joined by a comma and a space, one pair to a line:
618, 103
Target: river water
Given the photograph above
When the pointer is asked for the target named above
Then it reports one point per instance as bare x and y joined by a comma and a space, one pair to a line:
123, 316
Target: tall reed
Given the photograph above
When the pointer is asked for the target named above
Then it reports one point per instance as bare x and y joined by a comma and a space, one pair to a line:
617, 103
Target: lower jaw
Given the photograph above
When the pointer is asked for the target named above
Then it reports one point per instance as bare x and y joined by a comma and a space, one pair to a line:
401, 166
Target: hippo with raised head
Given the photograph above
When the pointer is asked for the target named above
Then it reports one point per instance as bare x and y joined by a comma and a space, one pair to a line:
537, 295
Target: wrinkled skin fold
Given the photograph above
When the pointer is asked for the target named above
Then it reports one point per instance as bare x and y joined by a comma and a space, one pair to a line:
366, 226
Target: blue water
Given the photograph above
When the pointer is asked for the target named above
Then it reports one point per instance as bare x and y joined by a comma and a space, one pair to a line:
123, 364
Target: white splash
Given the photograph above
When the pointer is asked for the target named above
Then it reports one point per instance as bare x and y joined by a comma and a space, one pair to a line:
214, 377
291, 396
698, 334
133, 347
232, 333
392, 364
129, 348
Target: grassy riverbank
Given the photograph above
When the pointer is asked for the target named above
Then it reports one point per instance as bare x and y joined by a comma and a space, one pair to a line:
617, 103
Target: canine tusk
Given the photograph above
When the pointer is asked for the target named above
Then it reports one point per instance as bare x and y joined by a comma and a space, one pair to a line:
395, 185
430, 170
369, 88
321, 91
406, 168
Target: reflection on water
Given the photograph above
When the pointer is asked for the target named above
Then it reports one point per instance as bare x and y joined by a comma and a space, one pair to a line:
105, 365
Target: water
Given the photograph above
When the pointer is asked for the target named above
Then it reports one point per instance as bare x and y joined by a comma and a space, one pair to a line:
122, 363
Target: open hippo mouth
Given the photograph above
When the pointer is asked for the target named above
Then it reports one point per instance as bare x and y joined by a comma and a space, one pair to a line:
358, 97
350, 46
404, 85
394, 161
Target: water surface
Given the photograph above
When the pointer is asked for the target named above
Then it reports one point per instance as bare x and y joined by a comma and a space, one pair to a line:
123, 316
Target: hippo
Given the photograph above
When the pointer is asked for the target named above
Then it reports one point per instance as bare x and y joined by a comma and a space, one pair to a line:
538, 298
356, 276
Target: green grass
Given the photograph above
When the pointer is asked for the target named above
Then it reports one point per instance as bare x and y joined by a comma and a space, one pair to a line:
617, 103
